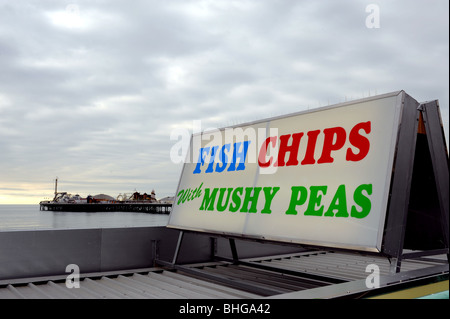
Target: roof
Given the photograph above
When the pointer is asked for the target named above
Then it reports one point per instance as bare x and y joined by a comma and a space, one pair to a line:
309, 272
153, 284
103, 197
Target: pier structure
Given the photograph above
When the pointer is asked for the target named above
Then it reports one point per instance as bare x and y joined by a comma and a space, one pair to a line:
151, 208
142, 203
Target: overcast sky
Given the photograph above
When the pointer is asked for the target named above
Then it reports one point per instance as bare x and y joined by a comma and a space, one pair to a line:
91, 90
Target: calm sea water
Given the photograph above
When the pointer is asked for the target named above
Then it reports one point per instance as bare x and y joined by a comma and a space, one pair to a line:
29, 217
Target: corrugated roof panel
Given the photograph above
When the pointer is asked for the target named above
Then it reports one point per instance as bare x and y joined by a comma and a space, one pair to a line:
159, 285
290, 282
11, 292
184, 289
125, 288
152, 287
224, 272
101, 289
262, 282
339, 265
84, 292
262, 278
30, 291
215, 290
214, 279
54, 289
159, 281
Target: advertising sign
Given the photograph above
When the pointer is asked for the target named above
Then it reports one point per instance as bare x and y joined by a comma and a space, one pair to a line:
319, 177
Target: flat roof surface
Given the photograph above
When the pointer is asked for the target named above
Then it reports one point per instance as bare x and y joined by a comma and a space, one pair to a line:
273, 276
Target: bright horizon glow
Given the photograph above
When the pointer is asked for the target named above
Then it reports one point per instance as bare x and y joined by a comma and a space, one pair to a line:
25, 193
13, 200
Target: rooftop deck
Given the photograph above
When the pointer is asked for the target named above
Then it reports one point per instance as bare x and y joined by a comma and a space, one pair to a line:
306, 275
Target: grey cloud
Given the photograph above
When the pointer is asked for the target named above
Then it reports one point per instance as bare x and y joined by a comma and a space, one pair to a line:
95, 104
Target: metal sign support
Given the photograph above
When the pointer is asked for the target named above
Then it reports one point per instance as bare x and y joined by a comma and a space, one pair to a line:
416, 117
439, 158
177, 249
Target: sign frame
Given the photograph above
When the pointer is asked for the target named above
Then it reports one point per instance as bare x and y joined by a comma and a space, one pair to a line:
395, 218
418, 118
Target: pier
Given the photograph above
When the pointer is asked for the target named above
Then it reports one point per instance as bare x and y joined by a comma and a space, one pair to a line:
151, 208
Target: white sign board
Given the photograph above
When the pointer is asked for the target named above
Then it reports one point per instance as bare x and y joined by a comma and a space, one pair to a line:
320, 177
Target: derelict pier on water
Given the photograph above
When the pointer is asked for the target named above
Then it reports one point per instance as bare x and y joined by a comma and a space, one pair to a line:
136, 202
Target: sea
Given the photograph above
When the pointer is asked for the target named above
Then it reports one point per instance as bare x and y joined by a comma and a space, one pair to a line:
29, 217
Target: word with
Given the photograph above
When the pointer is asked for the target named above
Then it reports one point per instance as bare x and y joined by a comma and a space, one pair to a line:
239, 155
373, 280
73, 280
334, 139
373, 19
188, 194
